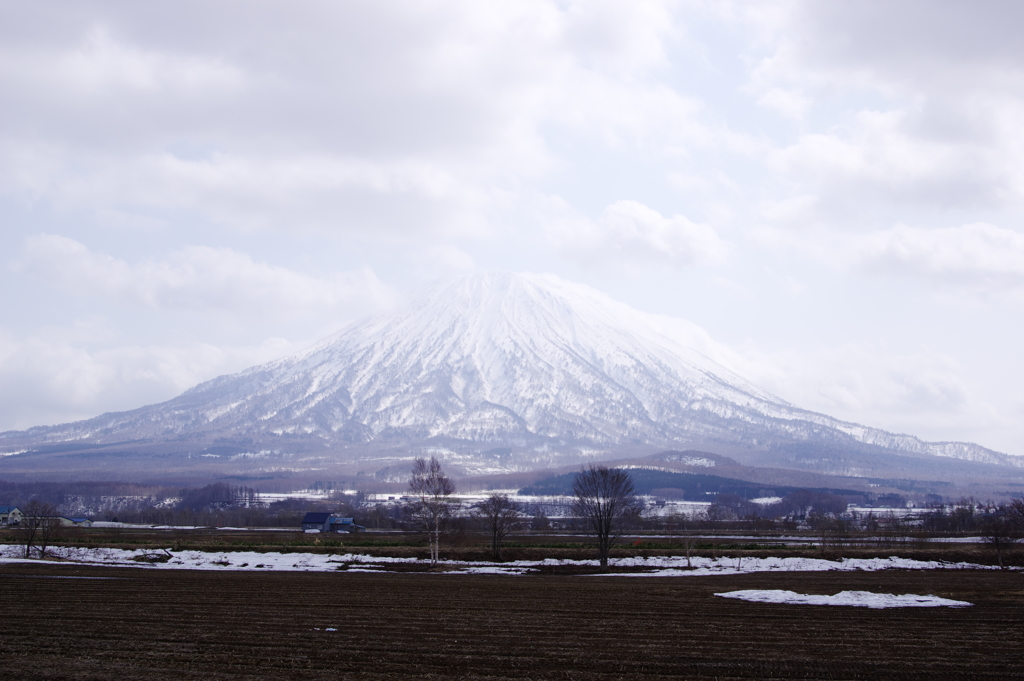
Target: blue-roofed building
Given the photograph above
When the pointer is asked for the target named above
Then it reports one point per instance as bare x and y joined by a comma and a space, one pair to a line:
326, 522
10, 515
62, 520
344, 525
320, 522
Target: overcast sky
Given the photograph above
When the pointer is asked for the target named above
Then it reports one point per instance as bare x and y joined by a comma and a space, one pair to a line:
832, 189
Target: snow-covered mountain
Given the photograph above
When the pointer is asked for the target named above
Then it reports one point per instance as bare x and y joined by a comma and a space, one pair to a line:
492, 359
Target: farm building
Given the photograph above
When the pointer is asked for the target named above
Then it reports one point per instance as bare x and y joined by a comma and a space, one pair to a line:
63, 521
10, 515
326, 522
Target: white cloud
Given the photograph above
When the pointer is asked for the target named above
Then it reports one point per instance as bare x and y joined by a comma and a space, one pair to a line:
97, 65
58, 374
883, 159
901, 104
978, 258
926, 393
974, 253
317, 191
129, 221
101, 63
972, 250
630, 232
786, 102
199, 278
393, 117
443, 261
794, 210
635, 229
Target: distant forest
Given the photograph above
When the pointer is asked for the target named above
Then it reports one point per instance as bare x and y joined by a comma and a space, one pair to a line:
225, 505
683, 486
220, 503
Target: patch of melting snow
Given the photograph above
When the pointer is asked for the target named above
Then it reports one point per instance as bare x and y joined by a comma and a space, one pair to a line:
653, 566
676, 566
57, 577
494, 570
861, 599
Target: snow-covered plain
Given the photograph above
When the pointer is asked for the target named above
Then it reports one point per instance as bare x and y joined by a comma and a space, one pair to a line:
862, 599
656, 566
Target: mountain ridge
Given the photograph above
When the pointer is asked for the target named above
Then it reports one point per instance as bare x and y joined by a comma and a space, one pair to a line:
489, 359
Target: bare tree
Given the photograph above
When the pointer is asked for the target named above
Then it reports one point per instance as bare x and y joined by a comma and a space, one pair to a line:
962, 515
687, 524
39, 524
833, 532
28, 528
50, 528
502, 516
719, 513
605, 500
539, 522
432, 506
1000, 530
1015, 511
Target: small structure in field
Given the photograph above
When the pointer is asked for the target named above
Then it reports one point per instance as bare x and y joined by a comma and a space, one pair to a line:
327, 522
344, 525
58, 520
10, 515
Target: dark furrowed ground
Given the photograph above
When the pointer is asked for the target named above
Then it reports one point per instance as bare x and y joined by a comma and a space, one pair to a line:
171, 624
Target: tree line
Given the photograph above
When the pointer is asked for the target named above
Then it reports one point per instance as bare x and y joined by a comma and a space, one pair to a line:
604, 503
604, 500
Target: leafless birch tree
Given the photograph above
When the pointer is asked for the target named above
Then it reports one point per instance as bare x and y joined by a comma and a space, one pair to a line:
432, 506
687, 523
604, 499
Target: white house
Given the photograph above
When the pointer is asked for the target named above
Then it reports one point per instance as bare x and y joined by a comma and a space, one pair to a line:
10, 515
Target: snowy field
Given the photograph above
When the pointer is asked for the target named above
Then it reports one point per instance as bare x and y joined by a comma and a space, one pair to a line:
659, 566
861, 599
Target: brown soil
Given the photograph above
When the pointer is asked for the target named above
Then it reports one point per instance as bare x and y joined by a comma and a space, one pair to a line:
173, 624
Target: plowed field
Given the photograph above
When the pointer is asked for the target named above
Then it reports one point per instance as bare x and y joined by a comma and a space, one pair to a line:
61, 622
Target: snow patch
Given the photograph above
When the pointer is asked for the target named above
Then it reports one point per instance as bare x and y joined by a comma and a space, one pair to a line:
654, 566
860, 599
688, 460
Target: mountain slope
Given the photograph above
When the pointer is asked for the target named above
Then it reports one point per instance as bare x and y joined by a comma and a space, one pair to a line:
527, 360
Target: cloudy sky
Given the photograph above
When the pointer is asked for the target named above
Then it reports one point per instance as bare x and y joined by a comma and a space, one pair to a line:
832, 189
